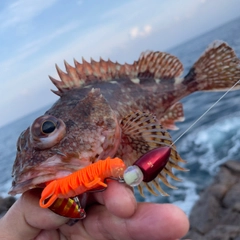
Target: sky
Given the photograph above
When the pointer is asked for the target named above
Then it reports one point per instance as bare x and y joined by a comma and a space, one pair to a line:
34, 35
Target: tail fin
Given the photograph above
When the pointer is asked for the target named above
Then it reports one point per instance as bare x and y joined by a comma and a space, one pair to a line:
217, 69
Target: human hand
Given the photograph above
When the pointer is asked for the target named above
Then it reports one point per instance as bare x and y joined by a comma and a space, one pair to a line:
115, 215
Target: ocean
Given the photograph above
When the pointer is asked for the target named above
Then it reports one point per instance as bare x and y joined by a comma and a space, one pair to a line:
212, 141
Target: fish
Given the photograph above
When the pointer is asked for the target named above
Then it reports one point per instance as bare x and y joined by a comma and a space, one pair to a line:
107, 109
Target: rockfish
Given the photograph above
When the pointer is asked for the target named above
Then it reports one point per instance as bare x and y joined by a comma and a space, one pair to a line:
109, 109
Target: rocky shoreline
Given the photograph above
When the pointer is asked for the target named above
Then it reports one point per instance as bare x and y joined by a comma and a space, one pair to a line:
215, 216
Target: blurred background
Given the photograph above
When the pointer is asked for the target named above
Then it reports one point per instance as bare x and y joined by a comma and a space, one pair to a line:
34, 35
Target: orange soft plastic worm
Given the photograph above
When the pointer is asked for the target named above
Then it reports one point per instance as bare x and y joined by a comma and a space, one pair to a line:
85, 179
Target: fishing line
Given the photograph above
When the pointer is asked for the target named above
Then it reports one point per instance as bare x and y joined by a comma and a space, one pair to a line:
205, 112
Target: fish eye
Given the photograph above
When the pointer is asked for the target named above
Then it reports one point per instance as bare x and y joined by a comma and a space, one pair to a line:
47, 131
48, 127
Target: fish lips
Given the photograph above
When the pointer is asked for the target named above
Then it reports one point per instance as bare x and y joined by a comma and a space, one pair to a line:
52, 168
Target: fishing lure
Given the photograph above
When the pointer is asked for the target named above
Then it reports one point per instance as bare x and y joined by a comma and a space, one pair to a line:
144, 169
69, 208
81, 181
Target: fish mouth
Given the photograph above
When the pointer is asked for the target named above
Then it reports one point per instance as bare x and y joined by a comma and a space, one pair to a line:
52, 168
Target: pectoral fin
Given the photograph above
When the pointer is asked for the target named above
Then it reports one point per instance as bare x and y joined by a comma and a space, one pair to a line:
141, 133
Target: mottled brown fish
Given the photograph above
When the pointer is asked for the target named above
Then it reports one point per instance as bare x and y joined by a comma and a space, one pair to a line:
111, 110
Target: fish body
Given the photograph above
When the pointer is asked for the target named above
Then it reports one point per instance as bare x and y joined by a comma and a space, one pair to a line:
107, 109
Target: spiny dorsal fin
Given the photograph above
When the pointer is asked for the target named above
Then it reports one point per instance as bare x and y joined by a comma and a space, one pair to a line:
161, 65
141, 133
217, 69
154, 65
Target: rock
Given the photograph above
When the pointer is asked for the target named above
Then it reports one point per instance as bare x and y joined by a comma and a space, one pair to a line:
223, 232
5, 204
208, 211
216, 215
236, 207
232, 196
234, 166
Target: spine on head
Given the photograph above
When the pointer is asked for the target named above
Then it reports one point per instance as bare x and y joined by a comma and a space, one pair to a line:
217, 69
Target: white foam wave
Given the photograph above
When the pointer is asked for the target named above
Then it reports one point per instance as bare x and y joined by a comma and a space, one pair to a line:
213, 144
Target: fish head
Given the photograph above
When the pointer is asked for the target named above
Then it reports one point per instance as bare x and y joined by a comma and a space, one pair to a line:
71, 135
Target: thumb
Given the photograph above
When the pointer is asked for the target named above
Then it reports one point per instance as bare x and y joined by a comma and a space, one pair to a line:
25, 219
